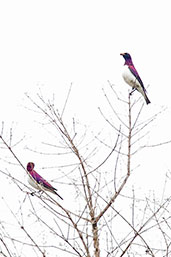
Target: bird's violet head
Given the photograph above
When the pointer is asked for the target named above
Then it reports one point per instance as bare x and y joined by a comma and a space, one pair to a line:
30, 166
127, 57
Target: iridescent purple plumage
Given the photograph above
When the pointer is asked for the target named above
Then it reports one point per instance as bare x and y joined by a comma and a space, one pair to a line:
133, 80
38, 181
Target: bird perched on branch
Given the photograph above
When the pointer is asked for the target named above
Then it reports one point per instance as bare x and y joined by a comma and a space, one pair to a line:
132, 78
36, 181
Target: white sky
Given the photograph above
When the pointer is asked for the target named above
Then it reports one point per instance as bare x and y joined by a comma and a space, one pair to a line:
54, 43
51, 44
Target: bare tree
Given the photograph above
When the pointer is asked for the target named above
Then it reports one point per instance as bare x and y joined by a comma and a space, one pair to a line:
99, 217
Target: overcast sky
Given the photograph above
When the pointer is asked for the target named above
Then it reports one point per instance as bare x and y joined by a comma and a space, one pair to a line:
51, 44
55, 43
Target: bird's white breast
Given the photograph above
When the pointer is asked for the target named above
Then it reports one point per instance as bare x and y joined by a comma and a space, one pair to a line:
130, 78
32, 182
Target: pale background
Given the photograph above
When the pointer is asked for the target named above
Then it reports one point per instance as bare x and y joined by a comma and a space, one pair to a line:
51, 44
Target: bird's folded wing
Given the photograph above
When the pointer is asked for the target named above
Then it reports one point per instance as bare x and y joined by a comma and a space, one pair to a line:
135, 73
41, 181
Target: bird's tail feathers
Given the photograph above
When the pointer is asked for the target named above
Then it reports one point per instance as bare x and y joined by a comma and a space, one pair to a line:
57, 195
146, 98
143, 92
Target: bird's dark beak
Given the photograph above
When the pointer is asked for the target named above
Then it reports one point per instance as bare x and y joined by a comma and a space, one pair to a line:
122, 54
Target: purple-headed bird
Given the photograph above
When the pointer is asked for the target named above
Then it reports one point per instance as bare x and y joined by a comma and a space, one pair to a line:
36, 181
132, 78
